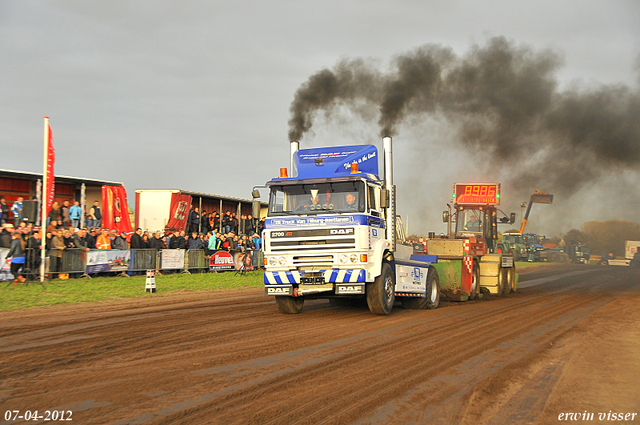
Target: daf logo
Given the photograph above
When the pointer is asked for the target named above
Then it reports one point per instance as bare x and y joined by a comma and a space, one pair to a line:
349, 289
278, 290
341, 231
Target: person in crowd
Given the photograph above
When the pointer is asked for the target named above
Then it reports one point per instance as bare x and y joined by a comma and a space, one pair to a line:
145, 241
17, 255
257, 243
68, 241
16, 210
75, 214
4, 210
34, 246
103, 241
194, 242
156, 241
226, 223
53, 224
91, 238
55, 214
94, 217
224, 243
213, 243
178, 241
80, 240
57, 246
233, 243
5, 235
194, 219
204, 222
64, 210
136, 239
120, 242
216, 222
251, 225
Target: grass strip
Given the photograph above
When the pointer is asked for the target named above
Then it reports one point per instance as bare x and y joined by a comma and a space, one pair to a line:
101, 288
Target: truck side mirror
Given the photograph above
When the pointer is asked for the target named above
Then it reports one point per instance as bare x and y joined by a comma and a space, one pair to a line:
255, 205
512, 218
384, 198
255, 194
445, 216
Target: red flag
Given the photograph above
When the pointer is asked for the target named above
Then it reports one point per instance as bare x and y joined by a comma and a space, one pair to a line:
178, 212
115, 210
51, 159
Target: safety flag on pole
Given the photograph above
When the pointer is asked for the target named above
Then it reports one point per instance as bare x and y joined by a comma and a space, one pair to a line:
50, 161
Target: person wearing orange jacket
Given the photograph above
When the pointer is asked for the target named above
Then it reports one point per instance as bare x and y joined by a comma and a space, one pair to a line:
103, 241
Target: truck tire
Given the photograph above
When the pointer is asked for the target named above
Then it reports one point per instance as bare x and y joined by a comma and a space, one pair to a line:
432, 299
289, 305
475, 282
381, 292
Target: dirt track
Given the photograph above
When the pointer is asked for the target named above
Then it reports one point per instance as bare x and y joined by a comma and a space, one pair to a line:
566, 345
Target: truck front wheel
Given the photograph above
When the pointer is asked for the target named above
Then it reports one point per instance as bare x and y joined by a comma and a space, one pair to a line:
289, 305
381, 292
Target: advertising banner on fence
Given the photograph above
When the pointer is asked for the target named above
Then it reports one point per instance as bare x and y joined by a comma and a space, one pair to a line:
5, 266
108, 261
221, 261
172, 258
179, 211
115, 211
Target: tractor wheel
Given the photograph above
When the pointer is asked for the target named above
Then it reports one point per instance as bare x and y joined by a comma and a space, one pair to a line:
432, 299
381, 292
501, 281
506, 279
475, 281
289, 305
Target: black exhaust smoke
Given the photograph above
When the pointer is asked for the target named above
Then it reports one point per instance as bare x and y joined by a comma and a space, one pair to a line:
503, 102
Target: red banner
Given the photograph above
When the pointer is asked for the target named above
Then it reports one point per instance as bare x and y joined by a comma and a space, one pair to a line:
179, 212
51, 159
115, 210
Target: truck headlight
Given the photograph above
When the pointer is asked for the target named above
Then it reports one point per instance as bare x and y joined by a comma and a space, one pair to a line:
343, 258
282, 261
353, 258
273, 261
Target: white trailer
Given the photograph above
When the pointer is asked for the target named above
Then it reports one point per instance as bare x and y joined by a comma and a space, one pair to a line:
630, 249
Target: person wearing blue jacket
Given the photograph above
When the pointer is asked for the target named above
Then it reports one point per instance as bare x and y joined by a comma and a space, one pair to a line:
75, 212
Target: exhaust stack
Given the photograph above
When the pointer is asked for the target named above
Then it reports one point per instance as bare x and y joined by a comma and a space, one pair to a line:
294, 147
388, 184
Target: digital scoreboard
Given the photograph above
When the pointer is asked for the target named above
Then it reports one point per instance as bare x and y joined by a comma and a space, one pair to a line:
476, 193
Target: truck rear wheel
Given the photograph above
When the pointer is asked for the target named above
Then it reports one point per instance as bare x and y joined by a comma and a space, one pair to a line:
432, 299
381, 292
289, 305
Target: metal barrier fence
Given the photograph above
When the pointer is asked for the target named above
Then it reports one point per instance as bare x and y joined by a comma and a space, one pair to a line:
143, 259
195, 259
79, 261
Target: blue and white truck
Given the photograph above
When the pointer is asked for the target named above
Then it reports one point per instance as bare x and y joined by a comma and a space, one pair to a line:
330, 233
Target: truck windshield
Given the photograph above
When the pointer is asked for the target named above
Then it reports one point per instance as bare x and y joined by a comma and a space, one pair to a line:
320, 198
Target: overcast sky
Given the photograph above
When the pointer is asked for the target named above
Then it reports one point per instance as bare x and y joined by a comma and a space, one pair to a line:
195, 95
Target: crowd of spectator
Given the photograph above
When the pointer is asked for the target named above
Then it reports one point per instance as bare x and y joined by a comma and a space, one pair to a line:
207, 231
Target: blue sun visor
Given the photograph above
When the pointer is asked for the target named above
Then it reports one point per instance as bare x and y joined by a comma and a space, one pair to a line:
336, 161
